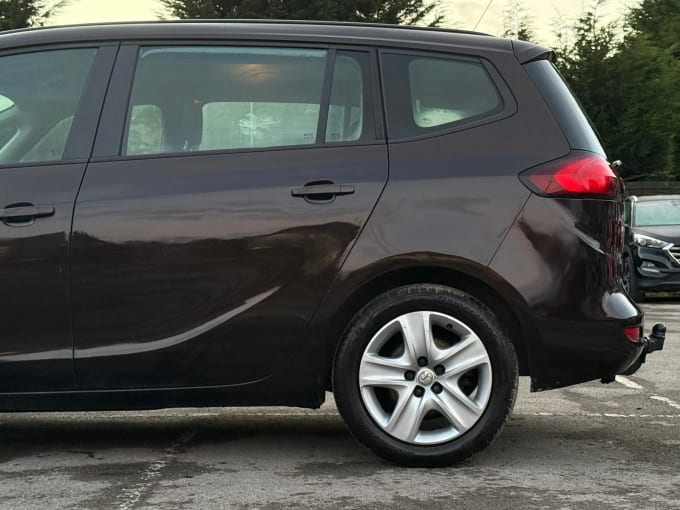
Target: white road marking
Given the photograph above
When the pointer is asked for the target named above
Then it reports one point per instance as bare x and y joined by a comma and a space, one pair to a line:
599, 415
132, 495
622, 379
635, 386
665, 400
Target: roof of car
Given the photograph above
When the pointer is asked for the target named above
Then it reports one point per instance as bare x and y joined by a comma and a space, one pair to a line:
273, 30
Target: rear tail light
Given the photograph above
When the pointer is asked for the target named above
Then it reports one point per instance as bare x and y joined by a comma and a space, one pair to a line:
580, 174
633, 333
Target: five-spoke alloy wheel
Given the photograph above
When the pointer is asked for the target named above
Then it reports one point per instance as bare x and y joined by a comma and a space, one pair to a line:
425, 375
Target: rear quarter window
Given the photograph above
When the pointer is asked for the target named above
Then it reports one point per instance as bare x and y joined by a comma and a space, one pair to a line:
427, 95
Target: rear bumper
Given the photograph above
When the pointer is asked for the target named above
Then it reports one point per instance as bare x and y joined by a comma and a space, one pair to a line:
570, 276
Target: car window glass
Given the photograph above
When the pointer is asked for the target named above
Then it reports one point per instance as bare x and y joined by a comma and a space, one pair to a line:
145, 133
5, 103
39, 95
221, 98
51, 146
426, 94
657, 213
346, 109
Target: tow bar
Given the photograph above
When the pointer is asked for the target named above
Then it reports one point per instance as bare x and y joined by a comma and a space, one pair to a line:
656, 339
652, 343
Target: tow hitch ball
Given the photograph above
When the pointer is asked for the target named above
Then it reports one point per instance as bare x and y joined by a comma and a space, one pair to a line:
656, 339
652, 343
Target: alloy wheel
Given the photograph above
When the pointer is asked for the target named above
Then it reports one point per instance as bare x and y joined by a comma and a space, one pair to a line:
425, 378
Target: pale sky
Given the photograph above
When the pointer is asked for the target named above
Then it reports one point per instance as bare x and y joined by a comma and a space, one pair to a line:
462, 14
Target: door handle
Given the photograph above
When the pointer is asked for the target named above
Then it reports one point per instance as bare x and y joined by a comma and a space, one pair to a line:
323, 190
24, 214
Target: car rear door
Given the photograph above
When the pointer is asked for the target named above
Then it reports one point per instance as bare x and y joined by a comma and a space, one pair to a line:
50, 101
222, 200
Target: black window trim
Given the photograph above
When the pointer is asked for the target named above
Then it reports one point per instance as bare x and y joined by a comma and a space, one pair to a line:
79, 144
509, 107
110, 139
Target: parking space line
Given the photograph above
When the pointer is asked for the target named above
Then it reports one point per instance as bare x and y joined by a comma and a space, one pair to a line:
131, 496
597, 415
665, 400
622, 379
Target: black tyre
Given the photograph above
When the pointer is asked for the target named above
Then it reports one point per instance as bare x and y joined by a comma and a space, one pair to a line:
630, 281
425, 375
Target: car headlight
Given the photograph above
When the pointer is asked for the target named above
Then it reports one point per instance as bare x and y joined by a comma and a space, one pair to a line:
650, 242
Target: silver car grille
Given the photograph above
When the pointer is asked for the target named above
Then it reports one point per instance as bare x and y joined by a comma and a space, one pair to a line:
675, 253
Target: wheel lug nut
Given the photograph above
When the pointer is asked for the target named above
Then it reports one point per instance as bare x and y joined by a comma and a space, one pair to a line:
419, 391
439, 370
422, 361
437, 388
409, 375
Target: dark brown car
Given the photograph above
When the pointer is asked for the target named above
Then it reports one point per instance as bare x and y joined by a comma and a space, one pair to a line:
201, 214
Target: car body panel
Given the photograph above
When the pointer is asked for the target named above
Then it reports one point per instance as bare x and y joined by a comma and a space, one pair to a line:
37, 345
204, 269
570, 276
37, 341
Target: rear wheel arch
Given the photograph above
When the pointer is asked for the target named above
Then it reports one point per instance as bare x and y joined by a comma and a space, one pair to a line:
494, 296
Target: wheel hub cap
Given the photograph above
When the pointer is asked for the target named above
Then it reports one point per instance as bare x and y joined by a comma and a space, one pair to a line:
425, 377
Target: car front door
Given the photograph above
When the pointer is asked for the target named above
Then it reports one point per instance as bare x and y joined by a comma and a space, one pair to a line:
50, 100
220, 205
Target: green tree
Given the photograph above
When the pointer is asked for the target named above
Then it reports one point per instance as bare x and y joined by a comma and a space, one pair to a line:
408, 12
517, 23
586, 64
647, 67
26, 13
629, 86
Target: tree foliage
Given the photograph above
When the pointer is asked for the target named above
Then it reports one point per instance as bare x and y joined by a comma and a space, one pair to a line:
407, 12
25, 13
517, 22
629, 86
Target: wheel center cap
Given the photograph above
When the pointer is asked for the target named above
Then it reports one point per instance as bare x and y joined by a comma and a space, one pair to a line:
425, 377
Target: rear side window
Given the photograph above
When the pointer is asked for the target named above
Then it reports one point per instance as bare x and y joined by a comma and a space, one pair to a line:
39, 96
430, 94
349, 92
221, 98
574, 122
198, 98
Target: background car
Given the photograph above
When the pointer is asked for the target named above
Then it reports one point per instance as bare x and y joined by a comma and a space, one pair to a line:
652, 244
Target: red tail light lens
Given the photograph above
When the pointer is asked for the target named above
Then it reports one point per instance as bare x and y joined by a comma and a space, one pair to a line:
633, 333
579, 174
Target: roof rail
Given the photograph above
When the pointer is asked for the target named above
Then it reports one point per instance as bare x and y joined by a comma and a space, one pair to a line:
259, 21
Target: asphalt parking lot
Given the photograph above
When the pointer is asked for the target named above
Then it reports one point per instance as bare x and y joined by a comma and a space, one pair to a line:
589, 446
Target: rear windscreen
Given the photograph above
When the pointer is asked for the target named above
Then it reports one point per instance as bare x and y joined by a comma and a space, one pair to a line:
564, 106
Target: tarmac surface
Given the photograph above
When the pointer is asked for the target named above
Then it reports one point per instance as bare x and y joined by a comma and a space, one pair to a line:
591, 446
